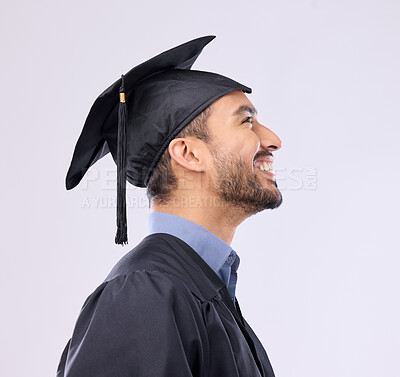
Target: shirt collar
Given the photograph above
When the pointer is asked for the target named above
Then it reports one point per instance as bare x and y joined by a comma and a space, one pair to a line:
211, 248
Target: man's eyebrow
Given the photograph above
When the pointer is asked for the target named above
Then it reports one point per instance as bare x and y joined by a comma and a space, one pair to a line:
245, 109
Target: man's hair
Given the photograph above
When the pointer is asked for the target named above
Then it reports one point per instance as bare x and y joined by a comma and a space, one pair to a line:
163, 180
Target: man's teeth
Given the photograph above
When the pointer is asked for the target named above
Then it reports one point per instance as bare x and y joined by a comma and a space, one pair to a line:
266, 166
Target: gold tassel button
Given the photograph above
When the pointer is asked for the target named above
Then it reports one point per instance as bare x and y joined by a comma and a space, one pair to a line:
121, 97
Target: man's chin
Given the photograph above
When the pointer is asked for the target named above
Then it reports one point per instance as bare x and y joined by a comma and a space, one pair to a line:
273, 197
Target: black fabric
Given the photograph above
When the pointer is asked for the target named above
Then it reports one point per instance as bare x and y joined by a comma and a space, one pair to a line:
163, 95
162, 312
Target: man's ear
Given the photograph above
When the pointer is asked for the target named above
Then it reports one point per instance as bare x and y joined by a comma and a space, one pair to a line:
187, 152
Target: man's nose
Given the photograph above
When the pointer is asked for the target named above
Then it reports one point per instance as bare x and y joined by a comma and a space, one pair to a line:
268, 139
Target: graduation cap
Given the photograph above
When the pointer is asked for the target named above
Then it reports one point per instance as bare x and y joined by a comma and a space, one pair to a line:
139, 114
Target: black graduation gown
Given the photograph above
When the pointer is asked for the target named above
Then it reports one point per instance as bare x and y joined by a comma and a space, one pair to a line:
162, 312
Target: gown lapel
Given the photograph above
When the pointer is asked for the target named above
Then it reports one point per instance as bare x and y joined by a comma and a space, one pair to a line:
237, 314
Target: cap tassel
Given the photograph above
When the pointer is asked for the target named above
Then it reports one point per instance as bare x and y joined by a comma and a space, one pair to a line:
121, 238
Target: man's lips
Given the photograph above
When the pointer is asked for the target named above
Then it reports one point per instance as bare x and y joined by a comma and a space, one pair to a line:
264, 163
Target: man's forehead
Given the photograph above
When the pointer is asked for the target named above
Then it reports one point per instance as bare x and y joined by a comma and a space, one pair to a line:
235, 104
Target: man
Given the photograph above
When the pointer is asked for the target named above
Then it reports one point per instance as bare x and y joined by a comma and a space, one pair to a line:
168, 307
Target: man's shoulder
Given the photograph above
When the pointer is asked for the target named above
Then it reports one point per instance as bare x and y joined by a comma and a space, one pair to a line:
152, 291
159, 256
171, 257
142, 286
156, 252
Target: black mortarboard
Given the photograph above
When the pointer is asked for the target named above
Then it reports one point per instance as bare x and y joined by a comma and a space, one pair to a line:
137, 116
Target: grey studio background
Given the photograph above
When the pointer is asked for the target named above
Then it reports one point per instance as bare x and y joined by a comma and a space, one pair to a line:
319, 276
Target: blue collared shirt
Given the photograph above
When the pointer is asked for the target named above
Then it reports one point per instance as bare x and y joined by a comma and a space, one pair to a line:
222, 259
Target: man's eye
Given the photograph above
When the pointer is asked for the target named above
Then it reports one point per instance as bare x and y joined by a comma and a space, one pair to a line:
249, 119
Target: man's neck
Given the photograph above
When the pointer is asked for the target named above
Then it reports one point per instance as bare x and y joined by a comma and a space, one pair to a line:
221, 220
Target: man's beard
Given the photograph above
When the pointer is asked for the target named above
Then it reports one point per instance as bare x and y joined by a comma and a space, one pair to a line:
240, 187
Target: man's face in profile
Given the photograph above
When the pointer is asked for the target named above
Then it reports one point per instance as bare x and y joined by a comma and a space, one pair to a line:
241, 155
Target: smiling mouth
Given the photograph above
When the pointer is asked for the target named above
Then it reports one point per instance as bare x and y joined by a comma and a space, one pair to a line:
265, 164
